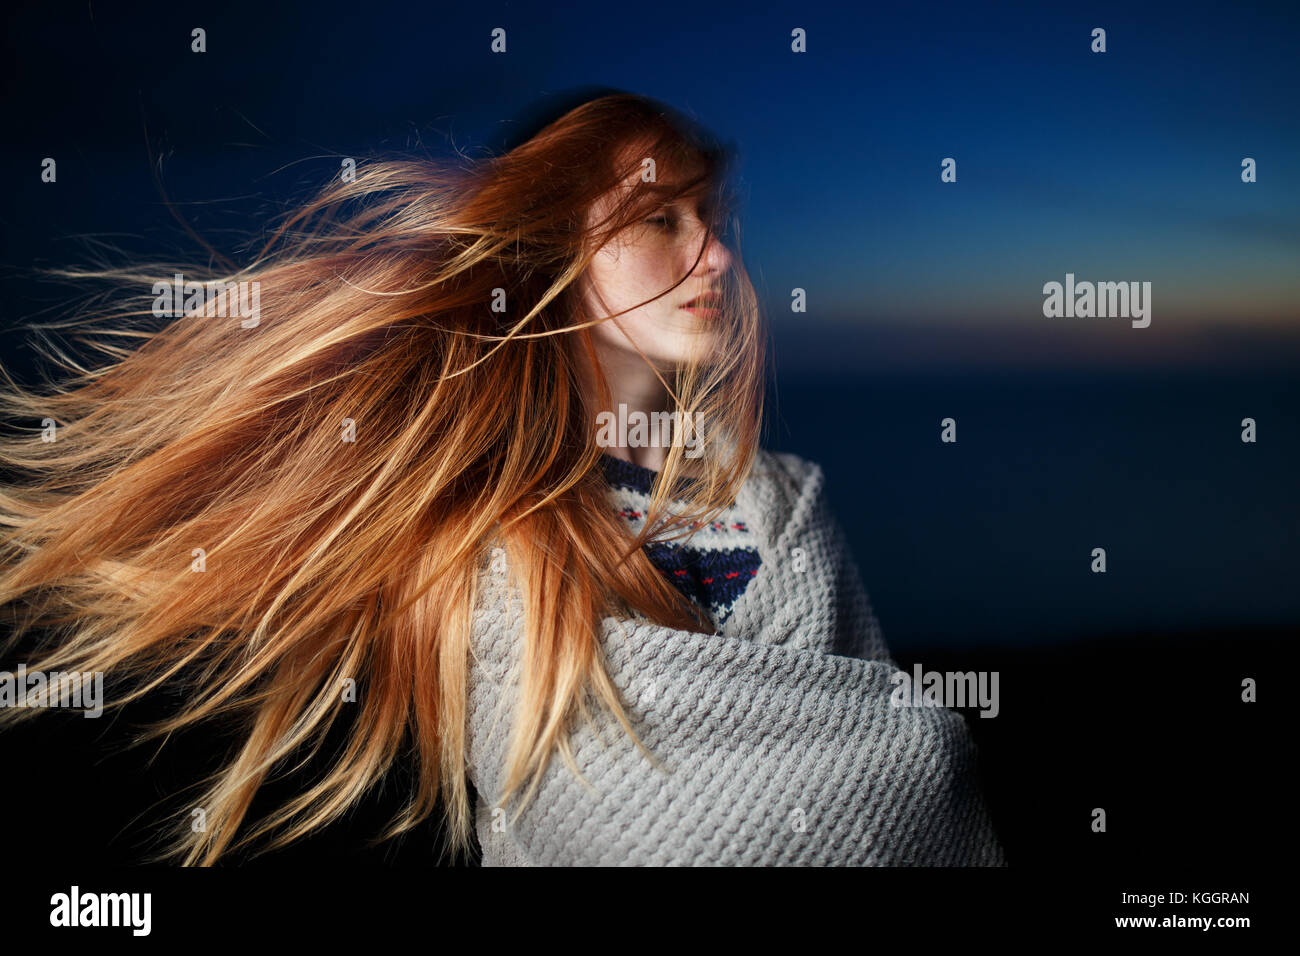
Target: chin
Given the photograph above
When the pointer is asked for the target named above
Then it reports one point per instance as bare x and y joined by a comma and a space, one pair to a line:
671, 359
705, 349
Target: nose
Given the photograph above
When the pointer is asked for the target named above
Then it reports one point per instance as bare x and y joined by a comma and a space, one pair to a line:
716, 258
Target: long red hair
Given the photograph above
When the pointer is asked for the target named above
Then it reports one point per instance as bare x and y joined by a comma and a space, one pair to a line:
270, 513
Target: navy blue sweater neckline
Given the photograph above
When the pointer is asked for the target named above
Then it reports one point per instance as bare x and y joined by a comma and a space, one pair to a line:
625, 474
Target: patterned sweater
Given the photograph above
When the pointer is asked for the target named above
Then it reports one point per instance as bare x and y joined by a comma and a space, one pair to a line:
714, 570
779, 740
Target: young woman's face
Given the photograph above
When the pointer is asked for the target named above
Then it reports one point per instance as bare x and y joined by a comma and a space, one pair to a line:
643, 261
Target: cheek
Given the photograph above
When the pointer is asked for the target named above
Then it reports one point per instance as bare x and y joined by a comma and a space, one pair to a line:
630, 275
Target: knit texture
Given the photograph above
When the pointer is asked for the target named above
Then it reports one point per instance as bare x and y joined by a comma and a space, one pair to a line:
779, 736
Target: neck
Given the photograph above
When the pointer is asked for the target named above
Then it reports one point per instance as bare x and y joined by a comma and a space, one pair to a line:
634, 385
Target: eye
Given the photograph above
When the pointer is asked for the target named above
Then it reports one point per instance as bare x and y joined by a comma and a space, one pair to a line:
666, 221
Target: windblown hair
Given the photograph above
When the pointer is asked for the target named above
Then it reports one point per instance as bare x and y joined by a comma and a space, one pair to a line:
264, 514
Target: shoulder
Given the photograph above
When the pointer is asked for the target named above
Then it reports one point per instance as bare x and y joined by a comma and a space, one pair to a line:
787, 490
786, 466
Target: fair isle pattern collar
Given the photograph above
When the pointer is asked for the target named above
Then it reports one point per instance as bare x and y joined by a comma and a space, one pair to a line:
718, 564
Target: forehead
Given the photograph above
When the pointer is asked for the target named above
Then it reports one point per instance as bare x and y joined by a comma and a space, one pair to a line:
682, 177
674, 166
651, 195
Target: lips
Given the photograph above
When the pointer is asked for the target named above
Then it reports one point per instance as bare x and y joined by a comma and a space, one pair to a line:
708, 300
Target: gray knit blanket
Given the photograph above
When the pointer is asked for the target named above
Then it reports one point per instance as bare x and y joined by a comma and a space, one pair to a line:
781, 738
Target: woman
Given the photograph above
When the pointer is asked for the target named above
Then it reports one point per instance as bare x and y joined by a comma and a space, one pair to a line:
414, 495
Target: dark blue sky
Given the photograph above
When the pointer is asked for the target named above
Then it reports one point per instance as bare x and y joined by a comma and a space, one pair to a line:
1116, 166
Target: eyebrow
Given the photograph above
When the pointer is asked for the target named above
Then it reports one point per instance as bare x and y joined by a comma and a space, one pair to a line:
725, 205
